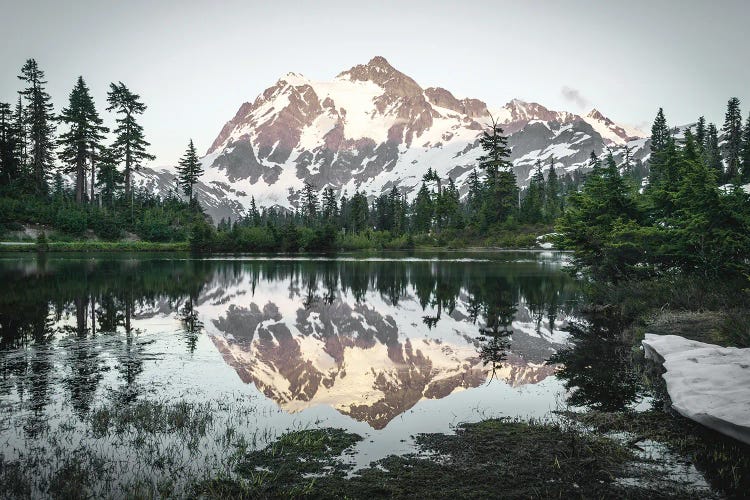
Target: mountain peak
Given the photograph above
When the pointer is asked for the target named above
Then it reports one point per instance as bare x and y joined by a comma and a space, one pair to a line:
596, 115
380, 72
380, 62
294, 79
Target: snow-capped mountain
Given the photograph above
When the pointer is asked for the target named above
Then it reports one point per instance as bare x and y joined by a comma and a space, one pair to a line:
372, 128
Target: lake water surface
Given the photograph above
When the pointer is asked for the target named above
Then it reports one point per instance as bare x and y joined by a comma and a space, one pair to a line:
386, 346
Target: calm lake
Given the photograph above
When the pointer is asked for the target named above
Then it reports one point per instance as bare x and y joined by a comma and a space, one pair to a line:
386, 346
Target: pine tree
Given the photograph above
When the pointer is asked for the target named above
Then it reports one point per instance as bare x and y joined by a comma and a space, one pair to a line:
359, 212
475, 197
9, 144
532, 204
605, 203
110, 179
746, 151
189, 170
701, 134
501, 188
552, 194
714, 159
82, 142
19, 125
330, 207
253, 213
627, 161
660, 139
733, 139
309, 203
451, 205
398, 214
495, 159
690, 150
432, 176
39, 120
423, 210
130, 145
659, 132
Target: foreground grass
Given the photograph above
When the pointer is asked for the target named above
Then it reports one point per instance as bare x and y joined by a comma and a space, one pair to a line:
168, 449
490, 459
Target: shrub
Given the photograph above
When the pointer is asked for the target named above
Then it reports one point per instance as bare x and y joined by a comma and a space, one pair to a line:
71, 221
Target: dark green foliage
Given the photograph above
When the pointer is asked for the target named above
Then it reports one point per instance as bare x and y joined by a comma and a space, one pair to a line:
71, 220
712, 151
82, 143
533, 200
202, 236
500, 199
552, 194
110, 179
10, 142
682, 222
309, 203
38, 121
746, 151
659, 133
189, 170
106, 226
130, 145
599, 223
423, 210
26, 159
733, 139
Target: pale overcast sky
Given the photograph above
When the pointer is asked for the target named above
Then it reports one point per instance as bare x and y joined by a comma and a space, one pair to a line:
195, 62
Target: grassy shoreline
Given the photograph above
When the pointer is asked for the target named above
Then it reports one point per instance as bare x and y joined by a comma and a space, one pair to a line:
145, 246
97, 246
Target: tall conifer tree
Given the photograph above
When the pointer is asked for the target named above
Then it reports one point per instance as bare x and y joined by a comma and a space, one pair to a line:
746, 151
9, 139
552, 193
82, 143
39, 121
130, 145
714, 159
189, 170
501, 188
733, 139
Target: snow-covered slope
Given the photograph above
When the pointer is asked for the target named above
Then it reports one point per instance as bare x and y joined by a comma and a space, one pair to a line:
372, 128
707, 383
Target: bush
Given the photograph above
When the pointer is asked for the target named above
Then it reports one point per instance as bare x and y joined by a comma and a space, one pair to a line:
202, 236
155, 226
106, 226
253, 239
71, 221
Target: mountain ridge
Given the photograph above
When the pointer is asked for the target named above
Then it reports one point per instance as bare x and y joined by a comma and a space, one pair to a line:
373, 128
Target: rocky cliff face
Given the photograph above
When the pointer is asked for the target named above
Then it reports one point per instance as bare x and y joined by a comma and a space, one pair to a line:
372, 128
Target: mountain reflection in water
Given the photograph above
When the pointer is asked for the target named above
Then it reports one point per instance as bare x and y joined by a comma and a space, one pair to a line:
370, 338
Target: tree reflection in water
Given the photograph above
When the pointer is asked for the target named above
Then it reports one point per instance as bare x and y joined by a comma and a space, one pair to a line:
599, 367
73, 312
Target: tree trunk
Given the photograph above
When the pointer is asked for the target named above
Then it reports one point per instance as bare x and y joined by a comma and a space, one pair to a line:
80, 180
93, 169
